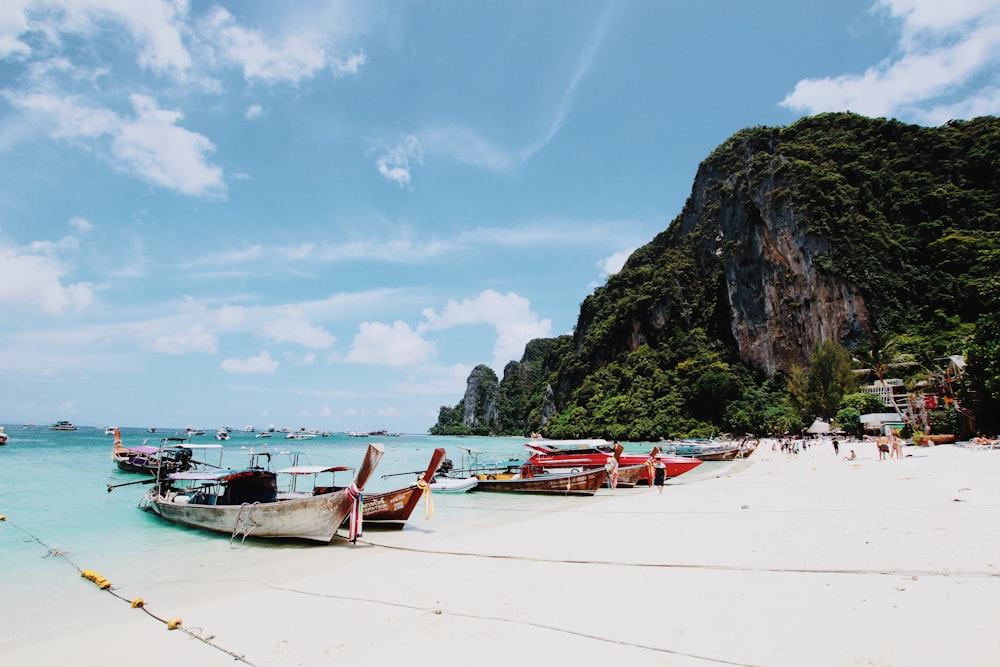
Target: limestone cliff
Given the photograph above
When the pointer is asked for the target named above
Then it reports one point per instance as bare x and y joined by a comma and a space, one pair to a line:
836, 228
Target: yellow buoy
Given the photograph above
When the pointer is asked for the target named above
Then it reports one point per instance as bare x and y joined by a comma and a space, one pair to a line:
3, 517
173, 623
138, 602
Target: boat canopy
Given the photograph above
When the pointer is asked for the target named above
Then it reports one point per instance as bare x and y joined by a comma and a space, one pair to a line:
217, 475
143, 449
312, 470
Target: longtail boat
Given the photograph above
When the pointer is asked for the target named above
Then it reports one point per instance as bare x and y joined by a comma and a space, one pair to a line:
391, 509
246, 502
577, 456
173, 455
533, 479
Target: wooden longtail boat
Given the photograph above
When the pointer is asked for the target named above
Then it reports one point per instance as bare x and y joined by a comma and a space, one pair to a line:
534, 480
392, 508
173, 455
557, 456
247, 503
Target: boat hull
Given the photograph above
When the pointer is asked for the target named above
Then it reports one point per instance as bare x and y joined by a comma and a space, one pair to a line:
453, 484
392, 509
675, 465
583, 483
315, 517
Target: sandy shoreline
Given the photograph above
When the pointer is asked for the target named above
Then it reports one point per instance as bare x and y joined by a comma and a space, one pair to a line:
776, 561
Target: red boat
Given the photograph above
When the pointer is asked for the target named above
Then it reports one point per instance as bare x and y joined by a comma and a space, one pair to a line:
580, 455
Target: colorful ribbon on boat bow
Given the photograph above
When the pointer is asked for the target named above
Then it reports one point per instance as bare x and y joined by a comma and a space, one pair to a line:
357, 512
428, 502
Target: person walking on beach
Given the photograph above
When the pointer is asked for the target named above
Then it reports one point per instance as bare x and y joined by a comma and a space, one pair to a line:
659, 473
836, 447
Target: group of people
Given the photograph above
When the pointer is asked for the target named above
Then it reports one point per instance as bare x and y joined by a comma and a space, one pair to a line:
890, 444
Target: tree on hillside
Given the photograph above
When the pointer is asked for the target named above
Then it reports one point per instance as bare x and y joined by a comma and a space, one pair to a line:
983, 373
816, 392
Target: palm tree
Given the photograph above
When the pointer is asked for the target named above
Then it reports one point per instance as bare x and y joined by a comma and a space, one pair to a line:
882, 357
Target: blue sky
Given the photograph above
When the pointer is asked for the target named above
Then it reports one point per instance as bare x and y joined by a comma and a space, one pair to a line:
324, 214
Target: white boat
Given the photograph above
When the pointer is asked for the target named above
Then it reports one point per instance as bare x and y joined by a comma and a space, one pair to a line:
110, 430
264, 434
222, 434
3, 437
299, 435
452, 484
246, 502
249, 428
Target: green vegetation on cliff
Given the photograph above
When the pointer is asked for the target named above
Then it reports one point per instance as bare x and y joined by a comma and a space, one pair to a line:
907, 217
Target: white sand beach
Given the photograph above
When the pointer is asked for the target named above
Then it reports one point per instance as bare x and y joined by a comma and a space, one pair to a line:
811, 560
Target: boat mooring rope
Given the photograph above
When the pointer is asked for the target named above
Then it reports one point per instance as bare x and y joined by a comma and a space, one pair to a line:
512, 621
699, 566
101, 582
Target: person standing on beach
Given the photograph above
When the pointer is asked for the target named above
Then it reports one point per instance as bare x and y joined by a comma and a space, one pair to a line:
612, 467
897, 445
883, 446
659, 473
836, 447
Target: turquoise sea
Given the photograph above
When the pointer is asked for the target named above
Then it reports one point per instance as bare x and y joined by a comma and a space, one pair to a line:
60, 517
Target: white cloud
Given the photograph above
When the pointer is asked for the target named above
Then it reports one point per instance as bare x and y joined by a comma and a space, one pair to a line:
155, 27
300, 55
943, 49
82, 225
150, 145
262, 363
293, 327
614, 263
510, 314
13, 24
389, 345
394, 163
194, 339
156, 149
350, 65
35, 280
253, 111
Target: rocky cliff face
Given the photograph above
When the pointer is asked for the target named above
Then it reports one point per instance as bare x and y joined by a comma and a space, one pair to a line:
480, 400
778, 299
835, 228
743, 263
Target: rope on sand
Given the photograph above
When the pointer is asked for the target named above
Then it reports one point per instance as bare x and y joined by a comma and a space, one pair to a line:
101, 582
503, 619
701, 566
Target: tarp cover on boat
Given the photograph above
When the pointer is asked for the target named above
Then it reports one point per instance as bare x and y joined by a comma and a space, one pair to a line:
218, 475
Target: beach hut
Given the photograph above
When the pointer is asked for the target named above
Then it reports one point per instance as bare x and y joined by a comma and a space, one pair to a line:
819, 427
878, 422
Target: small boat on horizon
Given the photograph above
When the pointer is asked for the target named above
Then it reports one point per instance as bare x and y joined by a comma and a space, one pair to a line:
62, 425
